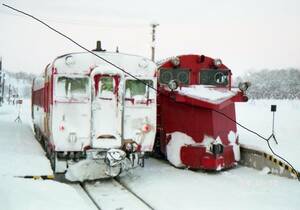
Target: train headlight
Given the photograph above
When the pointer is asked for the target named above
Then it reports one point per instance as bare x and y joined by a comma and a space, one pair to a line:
217, 62
175, 61
69, 60
173, 85
243, 86
217, 149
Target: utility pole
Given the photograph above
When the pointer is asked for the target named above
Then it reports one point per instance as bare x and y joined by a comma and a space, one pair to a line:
153, 25
1, 82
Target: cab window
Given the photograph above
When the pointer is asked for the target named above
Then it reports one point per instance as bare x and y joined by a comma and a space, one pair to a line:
213, 77
105, 87
182, 76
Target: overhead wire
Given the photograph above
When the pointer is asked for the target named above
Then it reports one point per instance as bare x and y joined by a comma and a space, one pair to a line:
88, 23
146, 84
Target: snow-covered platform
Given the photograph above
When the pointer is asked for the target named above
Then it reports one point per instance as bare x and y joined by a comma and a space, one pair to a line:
21, 155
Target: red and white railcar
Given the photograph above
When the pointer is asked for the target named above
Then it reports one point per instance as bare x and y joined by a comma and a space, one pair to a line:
84, 108
192, 132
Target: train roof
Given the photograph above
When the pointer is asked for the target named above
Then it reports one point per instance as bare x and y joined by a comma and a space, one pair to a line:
192, 60
85, 62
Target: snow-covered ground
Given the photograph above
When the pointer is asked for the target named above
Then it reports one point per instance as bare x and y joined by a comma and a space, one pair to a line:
159, 183
166, 187
257, 115
21, 155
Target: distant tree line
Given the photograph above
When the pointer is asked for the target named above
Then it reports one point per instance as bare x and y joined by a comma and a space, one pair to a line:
273, 84
18, 83
28, 77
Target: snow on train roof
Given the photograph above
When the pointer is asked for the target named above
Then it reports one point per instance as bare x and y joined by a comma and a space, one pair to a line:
82, 63
208, 93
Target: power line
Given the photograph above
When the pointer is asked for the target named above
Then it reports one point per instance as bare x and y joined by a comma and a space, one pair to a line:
88, 23
124, 71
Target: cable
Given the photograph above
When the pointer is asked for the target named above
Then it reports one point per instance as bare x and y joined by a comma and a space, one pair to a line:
79, 45
88, 23
124, 71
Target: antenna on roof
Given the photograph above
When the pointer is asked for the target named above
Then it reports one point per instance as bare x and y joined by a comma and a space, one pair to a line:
98, 47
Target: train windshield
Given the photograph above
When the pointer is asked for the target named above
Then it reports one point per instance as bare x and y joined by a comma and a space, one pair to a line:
106, 87
214, 77
72, 87
138, 90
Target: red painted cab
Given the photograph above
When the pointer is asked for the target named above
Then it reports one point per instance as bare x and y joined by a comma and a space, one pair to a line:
195, 103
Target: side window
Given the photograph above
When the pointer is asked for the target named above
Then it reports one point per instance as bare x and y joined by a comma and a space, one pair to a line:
72, 87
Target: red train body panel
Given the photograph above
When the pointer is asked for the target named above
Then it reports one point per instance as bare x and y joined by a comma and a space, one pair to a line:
211, 141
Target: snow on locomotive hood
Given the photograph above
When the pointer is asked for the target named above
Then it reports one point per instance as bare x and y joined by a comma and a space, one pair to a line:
208, 93
84, 62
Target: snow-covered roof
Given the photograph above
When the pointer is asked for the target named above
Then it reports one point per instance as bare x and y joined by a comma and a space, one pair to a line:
82, 63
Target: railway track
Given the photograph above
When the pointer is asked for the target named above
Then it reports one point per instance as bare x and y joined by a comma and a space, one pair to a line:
110, 194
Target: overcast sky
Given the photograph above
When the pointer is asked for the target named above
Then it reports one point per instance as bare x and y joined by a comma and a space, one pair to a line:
245, 34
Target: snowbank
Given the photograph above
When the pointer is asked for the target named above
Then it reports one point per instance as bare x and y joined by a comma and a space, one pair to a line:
257, 116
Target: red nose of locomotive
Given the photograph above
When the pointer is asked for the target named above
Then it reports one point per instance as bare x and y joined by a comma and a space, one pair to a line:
201, 109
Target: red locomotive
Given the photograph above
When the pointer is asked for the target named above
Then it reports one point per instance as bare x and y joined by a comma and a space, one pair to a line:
195, 100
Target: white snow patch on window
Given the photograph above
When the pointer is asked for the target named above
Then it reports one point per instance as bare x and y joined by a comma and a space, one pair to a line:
178, 140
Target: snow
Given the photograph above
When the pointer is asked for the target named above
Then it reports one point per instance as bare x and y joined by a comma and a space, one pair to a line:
19, 147
86, 170
111, 195
240, 188
28, 194
177, 140
232, 136
256, 115
203, 92
158, 183
84, 62
21, 155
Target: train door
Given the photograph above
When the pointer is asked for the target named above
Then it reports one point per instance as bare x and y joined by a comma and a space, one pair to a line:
106, 112
140, 112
